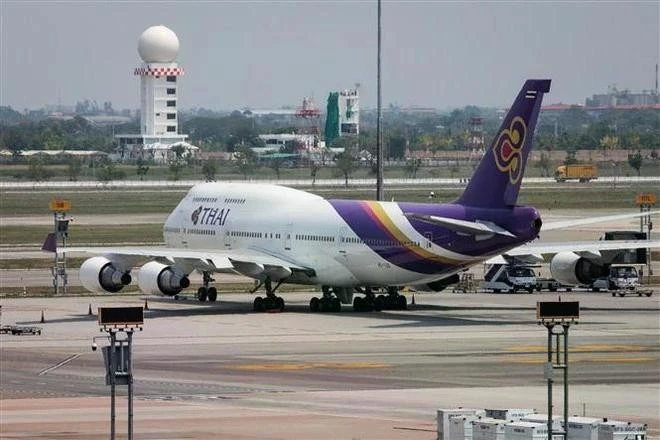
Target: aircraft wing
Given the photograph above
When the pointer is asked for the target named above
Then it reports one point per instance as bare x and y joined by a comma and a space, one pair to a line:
218, 260
590, 220
533, 252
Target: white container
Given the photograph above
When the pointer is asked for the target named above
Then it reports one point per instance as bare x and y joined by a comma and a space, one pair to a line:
583, 428
444, 415
460, 427
557, 421
526, 431
514, 414
615, 430
488, 428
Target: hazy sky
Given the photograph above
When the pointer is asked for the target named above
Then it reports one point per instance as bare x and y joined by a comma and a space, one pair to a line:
265, 54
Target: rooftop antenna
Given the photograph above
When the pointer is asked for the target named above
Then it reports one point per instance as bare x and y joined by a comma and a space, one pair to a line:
379, 150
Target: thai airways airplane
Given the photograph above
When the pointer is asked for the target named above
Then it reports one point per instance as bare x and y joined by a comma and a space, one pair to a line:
278, 235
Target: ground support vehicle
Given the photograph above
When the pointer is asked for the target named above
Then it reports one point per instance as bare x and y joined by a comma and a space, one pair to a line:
621, 277
638, 292
510, 278
25, 330
465, 284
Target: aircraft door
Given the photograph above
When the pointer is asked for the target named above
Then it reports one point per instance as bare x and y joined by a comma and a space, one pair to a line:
429, 239
286, 237
341, 241
228, 238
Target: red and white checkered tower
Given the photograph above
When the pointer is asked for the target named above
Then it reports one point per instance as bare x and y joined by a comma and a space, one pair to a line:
158, 47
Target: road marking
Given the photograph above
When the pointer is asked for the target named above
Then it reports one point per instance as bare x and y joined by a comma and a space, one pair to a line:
64, 362
308, 366
573, 360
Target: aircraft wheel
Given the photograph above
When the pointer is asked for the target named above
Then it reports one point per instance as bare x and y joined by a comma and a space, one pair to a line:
379, 303
647, 294
279, 302
213, 294
402, 302
622, 294
613, 293
358, 304
202, 293
531, 290
336, 305
315, 305
258, 305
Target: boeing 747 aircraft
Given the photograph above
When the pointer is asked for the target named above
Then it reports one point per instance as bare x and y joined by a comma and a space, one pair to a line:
278, 235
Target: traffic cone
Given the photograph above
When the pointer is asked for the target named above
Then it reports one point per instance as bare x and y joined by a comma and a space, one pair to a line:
146, 305
42, 317
89, 311
413, 299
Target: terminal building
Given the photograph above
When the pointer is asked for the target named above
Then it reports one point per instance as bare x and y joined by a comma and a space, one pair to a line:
159, 139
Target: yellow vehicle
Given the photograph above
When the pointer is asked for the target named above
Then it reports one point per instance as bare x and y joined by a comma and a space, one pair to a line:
583, 173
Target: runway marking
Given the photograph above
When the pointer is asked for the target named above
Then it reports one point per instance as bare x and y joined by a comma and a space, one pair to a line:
540, 361
308, 366
581, 348
64, 362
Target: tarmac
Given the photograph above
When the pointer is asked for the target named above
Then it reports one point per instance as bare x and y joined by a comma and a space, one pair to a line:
219, 371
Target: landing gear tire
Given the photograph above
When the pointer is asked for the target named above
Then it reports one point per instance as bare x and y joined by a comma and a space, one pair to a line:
202, 294
279, 303
258, 304
315, 305
213, 294
402, 302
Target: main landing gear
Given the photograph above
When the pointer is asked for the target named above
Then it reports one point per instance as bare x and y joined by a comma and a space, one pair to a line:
327, 303
205, 292
372, 302
272, 302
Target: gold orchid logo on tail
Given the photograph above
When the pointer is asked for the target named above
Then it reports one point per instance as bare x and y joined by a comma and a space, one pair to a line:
508, 148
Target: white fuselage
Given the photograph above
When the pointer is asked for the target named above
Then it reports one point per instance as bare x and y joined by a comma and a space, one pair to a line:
298, 227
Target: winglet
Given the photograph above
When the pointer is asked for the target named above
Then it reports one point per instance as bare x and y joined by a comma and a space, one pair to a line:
50, 244
496, 181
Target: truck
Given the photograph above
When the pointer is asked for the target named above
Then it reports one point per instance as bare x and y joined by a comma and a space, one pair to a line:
582, 173
622, 279
510, 278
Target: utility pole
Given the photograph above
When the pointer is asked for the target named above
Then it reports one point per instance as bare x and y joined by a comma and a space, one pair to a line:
379, 147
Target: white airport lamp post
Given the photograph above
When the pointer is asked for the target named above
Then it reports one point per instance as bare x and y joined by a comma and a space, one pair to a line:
117, 355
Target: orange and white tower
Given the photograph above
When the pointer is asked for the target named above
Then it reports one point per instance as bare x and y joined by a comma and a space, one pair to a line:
158, 46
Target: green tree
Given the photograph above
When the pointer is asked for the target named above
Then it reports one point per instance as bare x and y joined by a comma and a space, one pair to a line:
635, 161
142, 168
74, 168
106, 171
544, 164
345, 163
209, 169
245, 160
396, 146
412, 166
609, 143
37, 170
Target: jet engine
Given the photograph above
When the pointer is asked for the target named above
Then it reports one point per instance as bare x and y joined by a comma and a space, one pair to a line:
100, 275
572, 269
156, 278
438, 285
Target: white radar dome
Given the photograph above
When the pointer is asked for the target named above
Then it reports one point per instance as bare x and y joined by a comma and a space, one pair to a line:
158, 44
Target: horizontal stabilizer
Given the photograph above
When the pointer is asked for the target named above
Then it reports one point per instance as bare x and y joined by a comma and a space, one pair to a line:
466, 227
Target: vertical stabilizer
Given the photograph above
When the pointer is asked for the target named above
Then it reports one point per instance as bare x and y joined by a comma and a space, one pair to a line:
496, 181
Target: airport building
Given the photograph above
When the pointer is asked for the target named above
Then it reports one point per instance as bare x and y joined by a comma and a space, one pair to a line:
159, 138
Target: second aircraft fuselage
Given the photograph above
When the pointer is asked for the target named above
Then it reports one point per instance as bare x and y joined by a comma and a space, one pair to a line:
347, 242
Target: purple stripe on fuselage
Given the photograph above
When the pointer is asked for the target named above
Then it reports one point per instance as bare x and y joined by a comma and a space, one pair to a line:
372, 232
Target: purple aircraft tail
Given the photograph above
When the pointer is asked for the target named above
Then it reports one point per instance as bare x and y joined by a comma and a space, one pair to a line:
496, 181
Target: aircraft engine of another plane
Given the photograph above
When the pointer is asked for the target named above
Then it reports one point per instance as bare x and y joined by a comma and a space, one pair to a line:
156, 278
99, 275
571, 269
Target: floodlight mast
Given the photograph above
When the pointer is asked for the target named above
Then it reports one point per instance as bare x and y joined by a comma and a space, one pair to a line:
379, 117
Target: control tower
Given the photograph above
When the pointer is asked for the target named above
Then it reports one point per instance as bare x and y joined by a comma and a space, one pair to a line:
158, 46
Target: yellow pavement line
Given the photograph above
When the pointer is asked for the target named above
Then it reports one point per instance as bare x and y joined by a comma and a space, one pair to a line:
307, 366
580, 348
573, 360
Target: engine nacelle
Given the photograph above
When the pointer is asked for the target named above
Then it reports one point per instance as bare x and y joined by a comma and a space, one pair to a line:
439, 285
100, 275
156, 278
571, 269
